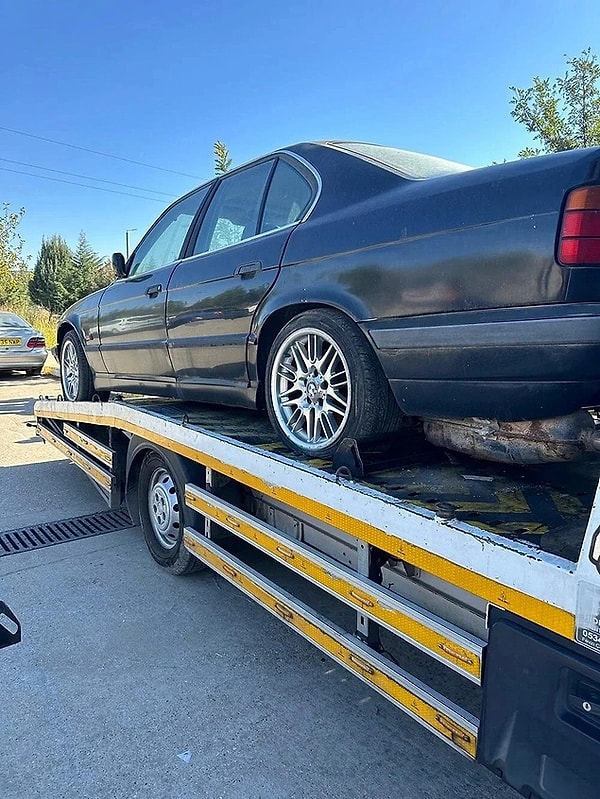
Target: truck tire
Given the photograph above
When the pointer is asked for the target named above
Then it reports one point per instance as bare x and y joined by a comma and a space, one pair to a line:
163, 514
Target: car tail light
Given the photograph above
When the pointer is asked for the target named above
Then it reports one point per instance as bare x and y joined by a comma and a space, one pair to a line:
36, 342
579, 242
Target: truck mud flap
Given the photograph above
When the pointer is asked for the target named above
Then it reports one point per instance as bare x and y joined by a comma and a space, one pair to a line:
540, 725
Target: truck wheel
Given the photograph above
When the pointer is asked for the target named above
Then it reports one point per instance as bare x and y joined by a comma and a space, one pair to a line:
76, 377
163, 515
324, 383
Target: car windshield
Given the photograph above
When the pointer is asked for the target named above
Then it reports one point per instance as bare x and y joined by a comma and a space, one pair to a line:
408, 164
12, 320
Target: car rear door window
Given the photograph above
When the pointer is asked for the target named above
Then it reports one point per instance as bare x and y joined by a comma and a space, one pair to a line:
288, 198
162, 244
233, 213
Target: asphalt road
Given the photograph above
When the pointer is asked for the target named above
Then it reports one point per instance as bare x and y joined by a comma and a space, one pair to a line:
132, 683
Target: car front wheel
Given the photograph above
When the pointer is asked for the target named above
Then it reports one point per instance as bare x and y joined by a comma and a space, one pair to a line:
324, 383
76, 376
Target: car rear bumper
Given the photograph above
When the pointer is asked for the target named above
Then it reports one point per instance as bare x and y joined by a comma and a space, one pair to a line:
521, 363
23, 360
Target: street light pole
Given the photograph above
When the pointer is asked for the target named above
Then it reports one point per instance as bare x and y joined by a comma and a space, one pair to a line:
127, 232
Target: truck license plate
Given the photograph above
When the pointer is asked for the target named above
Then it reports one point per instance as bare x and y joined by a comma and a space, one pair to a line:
587, 630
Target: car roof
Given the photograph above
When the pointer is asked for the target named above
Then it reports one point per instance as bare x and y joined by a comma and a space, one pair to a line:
408, 164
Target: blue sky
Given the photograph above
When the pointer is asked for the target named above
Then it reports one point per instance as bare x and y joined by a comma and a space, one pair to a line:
158, 82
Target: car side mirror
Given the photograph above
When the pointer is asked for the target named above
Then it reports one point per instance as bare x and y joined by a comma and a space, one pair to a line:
118, 264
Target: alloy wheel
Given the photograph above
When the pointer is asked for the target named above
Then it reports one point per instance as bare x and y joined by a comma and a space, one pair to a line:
70, 370
310, 387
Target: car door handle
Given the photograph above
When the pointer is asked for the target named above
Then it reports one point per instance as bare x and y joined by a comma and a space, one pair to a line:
247, 270
154, 291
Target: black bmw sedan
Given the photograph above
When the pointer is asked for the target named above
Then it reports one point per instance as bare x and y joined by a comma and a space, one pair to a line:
343, 286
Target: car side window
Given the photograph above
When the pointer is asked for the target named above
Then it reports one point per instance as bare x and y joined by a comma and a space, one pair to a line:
162, 244
288, 198
233, 213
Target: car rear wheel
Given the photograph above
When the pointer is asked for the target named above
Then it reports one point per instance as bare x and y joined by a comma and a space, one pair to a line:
324, 383
33, 372
163, 514
76, 376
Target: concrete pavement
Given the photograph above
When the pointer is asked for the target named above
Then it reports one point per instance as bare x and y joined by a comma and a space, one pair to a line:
37, 484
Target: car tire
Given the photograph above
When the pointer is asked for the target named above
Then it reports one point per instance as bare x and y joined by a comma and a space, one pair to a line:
34, 372
164, 514
323, 384
76, 377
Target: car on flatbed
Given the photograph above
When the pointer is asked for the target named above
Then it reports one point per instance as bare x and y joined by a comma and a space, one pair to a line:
345, 287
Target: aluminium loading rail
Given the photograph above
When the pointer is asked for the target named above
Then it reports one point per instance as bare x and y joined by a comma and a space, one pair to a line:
477, 533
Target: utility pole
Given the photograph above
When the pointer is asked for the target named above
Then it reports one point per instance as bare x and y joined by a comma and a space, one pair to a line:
127, 232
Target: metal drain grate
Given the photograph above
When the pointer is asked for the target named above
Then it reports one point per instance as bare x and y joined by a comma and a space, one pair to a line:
46, 535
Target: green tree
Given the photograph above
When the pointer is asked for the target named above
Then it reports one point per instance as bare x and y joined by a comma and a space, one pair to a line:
52, 280
222, 158
14, 276
87, 271
105, 274
565, 113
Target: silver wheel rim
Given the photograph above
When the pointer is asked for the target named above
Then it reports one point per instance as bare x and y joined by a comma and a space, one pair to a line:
310, 388
163, 508
69, 363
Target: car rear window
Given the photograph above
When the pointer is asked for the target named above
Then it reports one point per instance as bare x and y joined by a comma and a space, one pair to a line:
411, 165
12, 320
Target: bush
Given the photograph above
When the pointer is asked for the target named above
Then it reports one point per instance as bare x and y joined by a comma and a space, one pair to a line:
42, 321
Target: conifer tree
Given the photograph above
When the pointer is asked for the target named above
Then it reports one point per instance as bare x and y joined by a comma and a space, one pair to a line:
49, 286
222, 158
86, 264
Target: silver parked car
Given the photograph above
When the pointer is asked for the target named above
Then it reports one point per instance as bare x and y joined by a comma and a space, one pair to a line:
21, 346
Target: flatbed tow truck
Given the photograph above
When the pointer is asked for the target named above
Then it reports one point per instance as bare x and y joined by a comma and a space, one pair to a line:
485, 576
